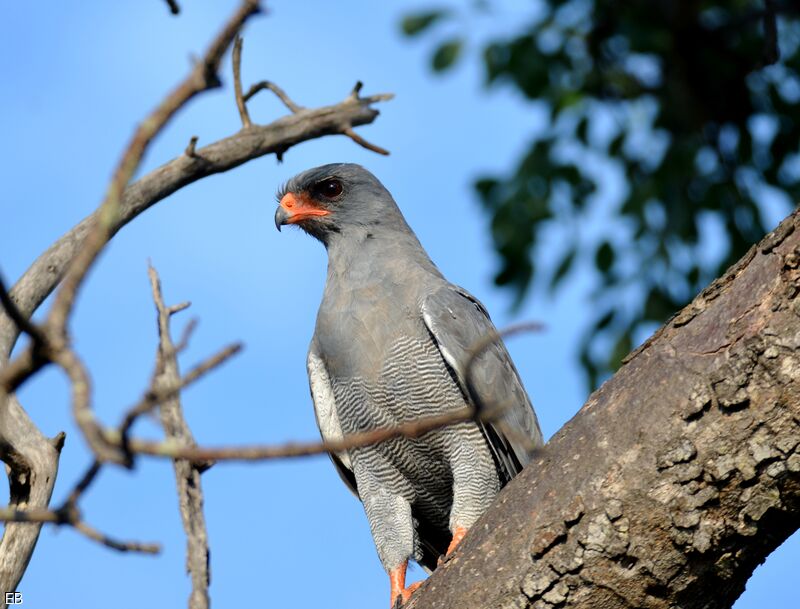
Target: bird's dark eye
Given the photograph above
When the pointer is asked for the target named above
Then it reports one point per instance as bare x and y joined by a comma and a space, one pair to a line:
330, 188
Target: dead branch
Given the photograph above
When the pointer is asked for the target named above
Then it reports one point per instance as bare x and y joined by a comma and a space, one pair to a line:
237, 83
187, 474
279, 93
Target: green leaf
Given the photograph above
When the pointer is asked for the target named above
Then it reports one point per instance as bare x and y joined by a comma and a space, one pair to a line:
413, 25
604, 257
615, 147
604, 321
581, 130
563, 268
446, 55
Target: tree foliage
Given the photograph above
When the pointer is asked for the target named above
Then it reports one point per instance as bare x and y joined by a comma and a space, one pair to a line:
694, 103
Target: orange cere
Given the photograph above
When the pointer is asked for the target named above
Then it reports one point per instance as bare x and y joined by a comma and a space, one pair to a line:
300, 206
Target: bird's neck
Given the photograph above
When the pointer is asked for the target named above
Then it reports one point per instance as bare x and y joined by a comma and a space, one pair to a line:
365, 253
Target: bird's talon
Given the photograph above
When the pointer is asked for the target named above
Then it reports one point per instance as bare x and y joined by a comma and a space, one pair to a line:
458, 535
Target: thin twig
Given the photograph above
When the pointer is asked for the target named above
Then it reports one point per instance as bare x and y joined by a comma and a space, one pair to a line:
364, 143
155, 396
190, 147
187, 474
279, 93
236, 58
115, 544
412, 429
173, 7
188, 330
72, 519
84, 483
479, 410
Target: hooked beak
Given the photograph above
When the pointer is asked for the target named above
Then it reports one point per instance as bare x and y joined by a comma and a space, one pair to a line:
294, 208
281, 217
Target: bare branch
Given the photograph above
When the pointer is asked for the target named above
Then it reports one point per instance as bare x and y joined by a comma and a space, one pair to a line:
72, 518
411, 429
157, 395
279, 93
190, 147
187, 474
173, 7
115, 544
237, 83
364, 143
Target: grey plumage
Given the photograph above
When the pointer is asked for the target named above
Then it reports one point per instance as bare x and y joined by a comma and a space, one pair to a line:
392, 342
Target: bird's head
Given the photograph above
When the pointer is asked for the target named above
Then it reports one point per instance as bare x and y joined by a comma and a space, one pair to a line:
336, 199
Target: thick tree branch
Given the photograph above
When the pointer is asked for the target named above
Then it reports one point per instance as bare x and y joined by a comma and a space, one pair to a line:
677, 477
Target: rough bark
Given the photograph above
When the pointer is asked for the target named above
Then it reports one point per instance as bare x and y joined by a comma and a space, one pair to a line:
676, 478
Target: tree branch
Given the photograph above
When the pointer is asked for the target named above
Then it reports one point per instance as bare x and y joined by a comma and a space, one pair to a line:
187, 474
677, 477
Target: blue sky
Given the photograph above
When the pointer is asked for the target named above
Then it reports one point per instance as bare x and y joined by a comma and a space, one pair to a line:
78, 76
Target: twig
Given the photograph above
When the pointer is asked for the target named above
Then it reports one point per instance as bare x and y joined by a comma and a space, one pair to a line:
84, 483
187, 474
173, 7
355, 97
115, 544
188, 330
364, 143
412, 429
279, 93
236, 58
72, 518
157, 395
190, 147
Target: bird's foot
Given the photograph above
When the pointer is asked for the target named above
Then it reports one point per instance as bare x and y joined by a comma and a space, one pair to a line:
458, 535
397, 581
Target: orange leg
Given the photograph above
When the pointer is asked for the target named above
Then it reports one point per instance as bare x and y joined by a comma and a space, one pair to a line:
397, 581
458, 535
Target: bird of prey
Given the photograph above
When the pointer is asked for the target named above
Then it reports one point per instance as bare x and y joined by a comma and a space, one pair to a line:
393, 343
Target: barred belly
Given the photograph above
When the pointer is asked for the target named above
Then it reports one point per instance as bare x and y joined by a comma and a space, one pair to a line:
414, 382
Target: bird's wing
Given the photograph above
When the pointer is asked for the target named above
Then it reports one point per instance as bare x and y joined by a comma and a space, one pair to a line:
325, 412
460, 325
